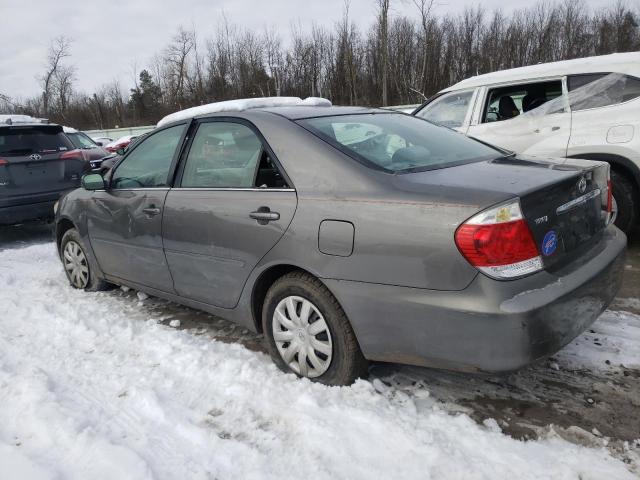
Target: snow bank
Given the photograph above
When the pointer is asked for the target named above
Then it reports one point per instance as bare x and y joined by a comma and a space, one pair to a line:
91, 387
244, 104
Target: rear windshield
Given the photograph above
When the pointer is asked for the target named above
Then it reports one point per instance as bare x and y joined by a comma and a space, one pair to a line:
398, 143
80, 140
25, 141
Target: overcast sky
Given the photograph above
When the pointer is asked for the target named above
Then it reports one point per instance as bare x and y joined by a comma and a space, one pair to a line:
110, 36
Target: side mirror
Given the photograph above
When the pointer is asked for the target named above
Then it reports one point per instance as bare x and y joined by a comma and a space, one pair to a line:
93, 181
121, 150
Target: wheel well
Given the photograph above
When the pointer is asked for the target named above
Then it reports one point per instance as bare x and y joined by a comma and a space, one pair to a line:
61, 228
621, 165
262, 285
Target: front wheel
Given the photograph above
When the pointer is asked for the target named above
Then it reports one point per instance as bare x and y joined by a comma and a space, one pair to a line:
76, 263
307, 332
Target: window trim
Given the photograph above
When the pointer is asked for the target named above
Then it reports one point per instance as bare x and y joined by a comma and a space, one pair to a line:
172, 165
177, 183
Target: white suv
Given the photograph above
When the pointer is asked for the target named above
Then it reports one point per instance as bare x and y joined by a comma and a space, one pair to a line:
584, 108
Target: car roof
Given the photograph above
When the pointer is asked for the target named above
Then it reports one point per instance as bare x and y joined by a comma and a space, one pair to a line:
626, 63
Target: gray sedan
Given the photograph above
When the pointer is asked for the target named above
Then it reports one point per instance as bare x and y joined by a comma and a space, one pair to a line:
348, 234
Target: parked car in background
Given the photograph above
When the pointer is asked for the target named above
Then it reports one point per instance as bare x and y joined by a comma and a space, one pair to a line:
93, 152
111, 161
585, 108
118, 146
347, 234
38, 163
102, 141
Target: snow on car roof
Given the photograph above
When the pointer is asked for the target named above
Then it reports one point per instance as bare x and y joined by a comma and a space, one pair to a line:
244, 104
69, 129
627, 63
12, 118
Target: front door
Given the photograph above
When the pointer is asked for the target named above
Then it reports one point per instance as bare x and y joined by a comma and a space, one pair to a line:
125, 221
231, 206
530, 119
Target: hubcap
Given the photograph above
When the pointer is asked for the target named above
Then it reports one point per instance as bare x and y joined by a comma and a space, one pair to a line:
302, 336
75, 264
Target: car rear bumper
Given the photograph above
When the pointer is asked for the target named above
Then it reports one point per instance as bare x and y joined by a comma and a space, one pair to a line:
490, 326
23, 213
19, 209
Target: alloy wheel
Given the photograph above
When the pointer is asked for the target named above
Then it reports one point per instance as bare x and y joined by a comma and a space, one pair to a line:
302, 336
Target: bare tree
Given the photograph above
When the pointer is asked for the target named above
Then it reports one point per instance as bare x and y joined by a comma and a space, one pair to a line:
59, 49
383, 48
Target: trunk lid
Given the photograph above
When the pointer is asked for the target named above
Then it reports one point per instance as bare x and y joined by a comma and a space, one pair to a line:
569, 214
562, 200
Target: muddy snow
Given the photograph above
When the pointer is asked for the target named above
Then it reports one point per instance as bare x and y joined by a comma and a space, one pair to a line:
115, 385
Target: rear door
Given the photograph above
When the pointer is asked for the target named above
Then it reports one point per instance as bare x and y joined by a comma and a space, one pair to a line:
37, 162
230, 206
125, 221
528, 118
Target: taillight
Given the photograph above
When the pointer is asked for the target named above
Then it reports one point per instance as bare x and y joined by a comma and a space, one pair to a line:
73, 155
4, 162
499, 242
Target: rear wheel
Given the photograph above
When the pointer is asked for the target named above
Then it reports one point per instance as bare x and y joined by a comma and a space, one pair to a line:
308, 333
625, 202
76, 263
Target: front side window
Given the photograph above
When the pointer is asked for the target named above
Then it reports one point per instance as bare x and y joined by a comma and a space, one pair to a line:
229, 155
449, 110
149, 163
398, 143
596, 90
505, 103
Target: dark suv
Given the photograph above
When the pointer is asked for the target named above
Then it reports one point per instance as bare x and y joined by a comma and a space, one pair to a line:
37, 164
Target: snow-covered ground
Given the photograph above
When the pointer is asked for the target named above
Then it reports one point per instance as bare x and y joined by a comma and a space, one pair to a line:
94, 387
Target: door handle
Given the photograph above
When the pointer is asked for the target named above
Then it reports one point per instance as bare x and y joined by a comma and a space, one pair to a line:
264, 215
151, 211
553, 129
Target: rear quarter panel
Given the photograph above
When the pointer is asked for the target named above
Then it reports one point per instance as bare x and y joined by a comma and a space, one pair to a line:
402, 237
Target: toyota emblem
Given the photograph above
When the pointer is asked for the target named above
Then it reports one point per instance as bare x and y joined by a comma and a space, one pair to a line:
35, 156
582, 185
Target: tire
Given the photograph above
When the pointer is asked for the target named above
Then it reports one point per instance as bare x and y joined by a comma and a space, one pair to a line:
626, 200
345, 362
76, 262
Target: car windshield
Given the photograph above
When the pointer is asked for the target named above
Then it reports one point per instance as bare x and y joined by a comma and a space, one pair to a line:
25, 141
398, 143
80, 140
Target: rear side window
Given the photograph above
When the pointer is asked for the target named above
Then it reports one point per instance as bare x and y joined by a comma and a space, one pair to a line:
596, 90
449, 110
398, 143
149, 163
26, 141
229, 155
505, 103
